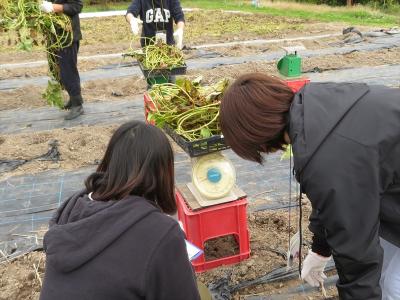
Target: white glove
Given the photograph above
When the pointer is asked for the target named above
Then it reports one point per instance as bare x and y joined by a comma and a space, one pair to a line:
313, 269
134, 26
46, 7
178, 36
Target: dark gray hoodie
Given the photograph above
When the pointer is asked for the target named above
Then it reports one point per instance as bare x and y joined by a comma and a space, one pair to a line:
120, 250
346, 146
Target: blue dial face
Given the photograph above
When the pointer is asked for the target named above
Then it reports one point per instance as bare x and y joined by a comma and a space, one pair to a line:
214, 175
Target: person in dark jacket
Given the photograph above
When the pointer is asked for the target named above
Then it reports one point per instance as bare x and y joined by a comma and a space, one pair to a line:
114, 239
68, 56
346, 147
157, 17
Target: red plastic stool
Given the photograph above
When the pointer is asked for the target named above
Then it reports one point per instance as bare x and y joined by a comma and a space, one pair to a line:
148, 107
297, 84
213, 222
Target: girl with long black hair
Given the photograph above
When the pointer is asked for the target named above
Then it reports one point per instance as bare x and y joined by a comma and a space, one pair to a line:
114, 239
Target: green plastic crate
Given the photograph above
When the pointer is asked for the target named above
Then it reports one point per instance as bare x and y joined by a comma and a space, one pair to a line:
157, 80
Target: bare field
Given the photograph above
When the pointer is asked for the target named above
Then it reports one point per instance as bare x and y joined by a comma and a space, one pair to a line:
82, 146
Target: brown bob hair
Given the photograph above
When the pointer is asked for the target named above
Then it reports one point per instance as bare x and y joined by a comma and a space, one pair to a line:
138, 161
253, 115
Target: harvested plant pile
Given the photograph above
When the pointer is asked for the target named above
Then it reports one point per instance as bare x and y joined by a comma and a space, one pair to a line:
33, 27
159, 56
190, 109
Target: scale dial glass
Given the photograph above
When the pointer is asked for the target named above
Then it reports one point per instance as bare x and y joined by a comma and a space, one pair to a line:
213, 175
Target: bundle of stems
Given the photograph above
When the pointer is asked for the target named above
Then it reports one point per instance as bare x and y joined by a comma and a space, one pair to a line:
158, 55
190, 109
31, 27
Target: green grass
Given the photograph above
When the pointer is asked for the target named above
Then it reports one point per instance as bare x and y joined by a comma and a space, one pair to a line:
114, 6
354, 16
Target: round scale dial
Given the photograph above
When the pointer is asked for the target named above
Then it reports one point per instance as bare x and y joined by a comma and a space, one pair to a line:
213, 175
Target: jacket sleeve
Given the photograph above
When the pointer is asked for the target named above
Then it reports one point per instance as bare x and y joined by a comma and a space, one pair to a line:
319, 243
72, 7
170, 274
344, 190
177, 12
135, 8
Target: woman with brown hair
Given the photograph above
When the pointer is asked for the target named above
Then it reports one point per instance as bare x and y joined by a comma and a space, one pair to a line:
346, 147
113, 240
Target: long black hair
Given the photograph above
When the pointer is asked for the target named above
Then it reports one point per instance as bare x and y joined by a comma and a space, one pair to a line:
138, 161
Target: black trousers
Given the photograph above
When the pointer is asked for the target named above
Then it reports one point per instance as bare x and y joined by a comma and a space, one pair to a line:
68, 62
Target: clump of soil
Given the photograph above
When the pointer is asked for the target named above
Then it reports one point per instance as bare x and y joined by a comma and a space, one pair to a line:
221, 247
22, 278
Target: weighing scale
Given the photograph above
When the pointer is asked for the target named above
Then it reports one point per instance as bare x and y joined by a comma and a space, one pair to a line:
213, 181
211, 206
213, 176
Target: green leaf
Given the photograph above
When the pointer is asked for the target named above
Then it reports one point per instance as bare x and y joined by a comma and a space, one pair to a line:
25, 45
205, 132
150, 117
288, 153
180, 81
197, 80
53, 94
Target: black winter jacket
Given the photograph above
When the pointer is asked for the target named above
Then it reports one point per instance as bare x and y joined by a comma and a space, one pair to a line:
157, 15
346, 146
120, 250
72, 8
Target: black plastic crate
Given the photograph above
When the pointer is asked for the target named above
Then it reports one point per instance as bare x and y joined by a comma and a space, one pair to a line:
199, 147
162, 72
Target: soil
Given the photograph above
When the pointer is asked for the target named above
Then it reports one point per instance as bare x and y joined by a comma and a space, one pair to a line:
221, 247
268, 243
79, 147
22, 278
248, 49
269, 238
83, 64
87, 63
129, 87
112, 34
92, 91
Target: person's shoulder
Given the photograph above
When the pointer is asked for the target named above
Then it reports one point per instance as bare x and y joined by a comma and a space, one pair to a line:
155, 217
163, 220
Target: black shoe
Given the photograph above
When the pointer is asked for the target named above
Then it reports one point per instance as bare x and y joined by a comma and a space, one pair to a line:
75, 112
73, 101
68, 105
